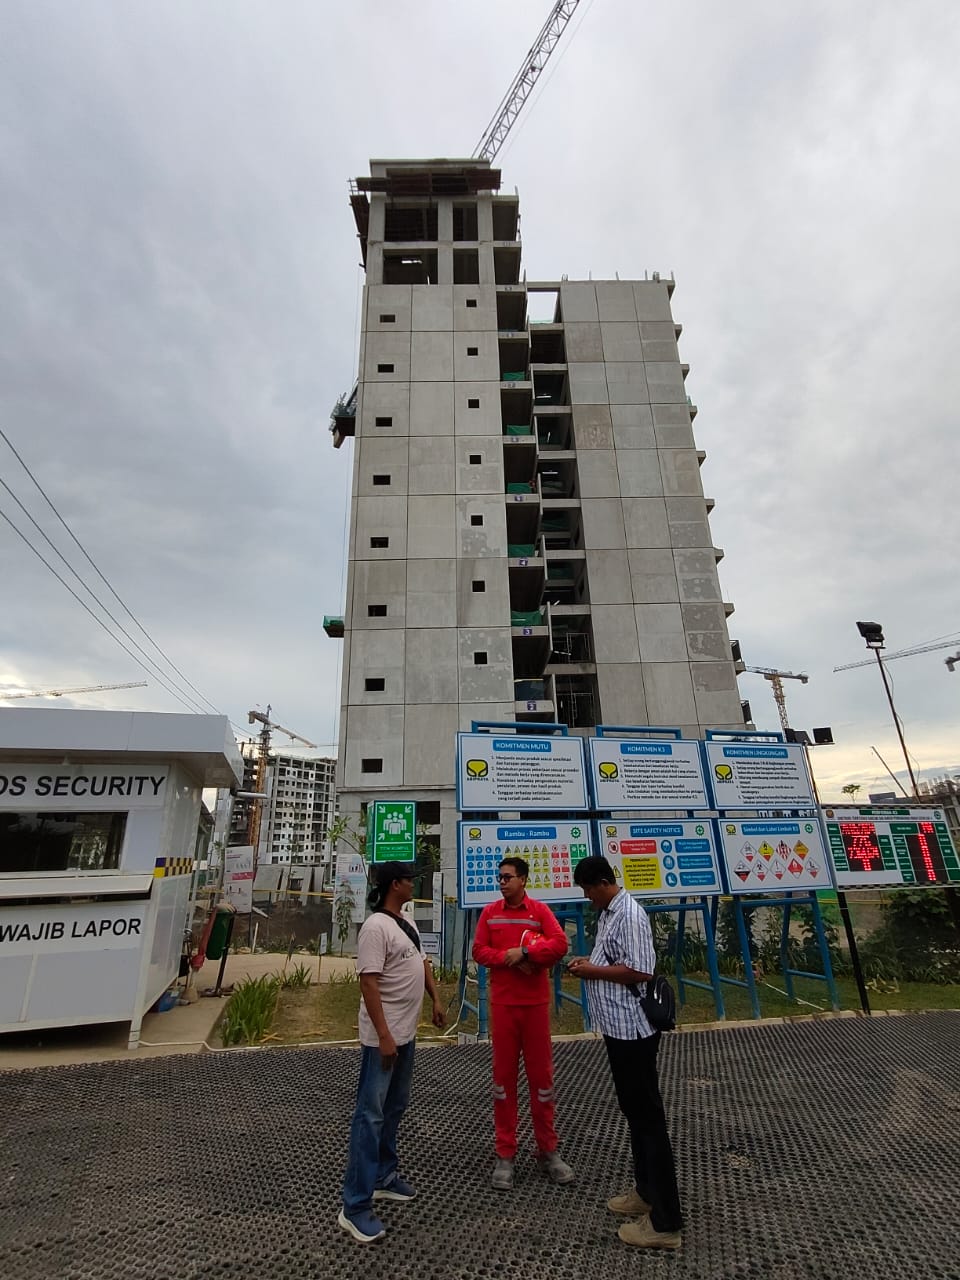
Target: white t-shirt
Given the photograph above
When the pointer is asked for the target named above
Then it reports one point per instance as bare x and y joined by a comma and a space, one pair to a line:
383, 948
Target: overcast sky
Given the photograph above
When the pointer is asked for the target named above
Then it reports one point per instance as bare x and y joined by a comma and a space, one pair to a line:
180, 285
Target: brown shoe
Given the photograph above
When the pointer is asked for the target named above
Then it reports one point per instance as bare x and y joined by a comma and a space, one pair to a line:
631, 1204
643, 1235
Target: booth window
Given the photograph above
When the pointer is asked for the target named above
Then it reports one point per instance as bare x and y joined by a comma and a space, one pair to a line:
35, 842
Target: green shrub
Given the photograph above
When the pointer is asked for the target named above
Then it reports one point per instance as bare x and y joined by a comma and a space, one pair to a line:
250, 1010
296, 978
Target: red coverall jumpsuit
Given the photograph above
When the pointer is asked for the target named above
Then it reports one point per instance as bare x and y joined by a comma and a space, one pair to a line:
520, 1015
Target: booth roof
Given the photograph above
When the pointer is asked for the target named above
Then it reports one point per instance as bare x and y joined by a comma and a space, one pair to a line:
204, 744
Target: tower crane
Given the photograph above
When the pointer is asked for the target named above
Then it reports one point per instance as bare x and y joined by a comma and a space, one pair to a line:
522, 86
776, 679
61, 693
263, 757
903, 653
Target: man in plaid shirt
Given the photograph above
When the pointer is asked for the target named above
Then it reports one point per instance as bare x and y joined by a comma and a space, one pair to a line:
623, 956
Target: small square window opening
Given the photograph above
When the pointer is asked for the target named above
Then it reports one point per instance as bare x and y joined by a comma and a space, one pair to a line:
480, 659
384, 422
473, 404
476, 521
379, 542
384, 368
371, 764
381, 479
374, 684
478, 584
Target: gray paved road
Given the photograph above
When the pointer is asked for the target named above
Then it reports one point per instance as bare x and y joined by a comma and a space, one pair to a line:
824, 1149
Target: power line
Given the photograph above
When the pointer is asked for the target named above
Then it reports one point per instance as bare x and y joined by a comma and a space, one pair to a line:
154, 668
96, 569
100, 622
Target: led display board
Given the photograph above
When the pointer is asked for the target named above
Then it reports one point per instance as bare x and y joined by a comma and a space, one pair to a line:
893, 847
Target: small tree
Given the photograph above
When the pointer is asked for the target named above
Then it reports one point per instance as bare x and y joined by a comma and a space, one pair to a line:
851, 790
343, 907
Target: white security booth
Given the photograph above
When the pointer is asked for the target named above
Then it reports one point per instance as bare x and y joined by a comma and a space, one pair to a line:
99, 813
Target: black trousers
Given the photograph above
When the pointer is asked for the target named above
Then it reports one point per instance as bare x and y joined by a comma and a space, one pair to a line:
633, 1065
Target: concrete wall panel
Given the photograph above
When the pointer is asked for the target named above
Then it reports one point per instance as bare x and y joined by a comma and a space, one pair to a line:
578, 301
424, 728
584, 342
615, 633
622, 697
597, 470
431, 593
388, 299
627, 382
374, 733
639, 471
688, 522
486, 608
652, 576
431, 464
645, 522
431, 665
493, 680
431, 409
485, 476
652, 301
431, 357
378, 518
603, 523
615, 300
387, 348
621, 341
669, 692
474, 319
632, 426
488, 538
609, 576
697, 575
378, 582
483, 420
665, 380
378, 655
660, 629
432, 307
680, 469
384, 400
484, 366
382, 457
591, 427
431, 531
588, 383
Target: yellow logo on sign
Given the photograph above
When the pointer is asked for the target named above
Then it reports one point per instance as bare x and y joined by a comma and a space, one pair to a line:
474, 833
611, 831
723, 772
477, 768
609, 771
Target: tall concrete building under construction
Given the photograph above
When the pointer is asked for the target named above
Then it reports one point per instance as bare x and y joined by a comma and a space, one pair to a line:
529, 537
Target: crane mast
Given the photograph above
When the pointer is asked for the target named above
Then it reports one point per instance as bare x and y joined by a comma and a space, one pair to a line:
533, 64
776, 679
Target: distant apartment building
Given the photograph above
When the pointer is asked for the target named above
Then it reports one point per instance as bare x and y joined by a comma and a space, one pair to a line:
300, 808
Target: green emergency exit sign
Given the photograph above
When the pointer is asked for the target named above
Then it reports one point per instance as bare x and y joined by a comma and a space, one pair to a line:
392, 831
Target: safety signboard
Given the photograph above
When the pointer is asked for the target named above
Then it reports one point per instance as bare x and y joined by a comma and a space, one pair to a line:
392, 831
647, 773
514, 771
762, 776
909, 847
662, 859
775, 856
550, 849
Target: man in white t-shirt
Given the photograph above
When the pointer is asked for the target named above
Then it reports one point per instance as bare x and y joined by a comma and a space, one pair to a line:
393, 975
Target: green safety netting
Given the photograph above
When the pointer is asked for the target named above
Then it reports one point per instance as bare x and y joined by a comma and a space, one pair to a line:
513, 377
519, 486
525, 618
515, 549
523, 429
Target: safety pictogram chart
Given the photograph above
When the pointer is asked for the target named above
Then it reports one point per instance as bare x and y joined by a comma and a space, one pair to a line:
662, 859
551, 849
775, 856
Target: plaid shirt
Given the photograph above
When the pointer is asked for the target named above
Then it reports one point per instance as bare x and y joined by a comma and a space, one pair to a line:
624, 936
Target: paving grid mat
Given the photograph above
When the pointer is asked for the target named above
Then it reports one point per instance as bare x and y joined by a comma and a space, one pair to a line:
804, 1150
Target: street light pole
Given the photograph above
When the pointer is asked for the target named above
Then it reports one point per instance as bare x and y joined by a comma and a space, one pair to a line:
872, 633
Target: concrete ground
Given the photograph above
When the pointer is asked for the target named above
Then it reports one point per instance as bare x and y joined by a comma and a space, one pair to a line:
815, 1150
183, 1029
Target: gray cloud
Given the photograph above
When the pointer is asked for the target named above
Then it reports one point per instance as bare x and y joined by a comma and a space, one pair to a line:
180, 286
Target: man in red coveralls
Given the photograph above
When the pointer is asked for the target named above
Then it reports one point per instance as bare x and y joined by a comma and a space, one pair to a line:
518, 939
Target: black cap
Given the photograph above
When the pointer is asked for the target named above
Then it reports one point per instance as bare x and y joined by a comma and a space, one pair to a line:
382, 876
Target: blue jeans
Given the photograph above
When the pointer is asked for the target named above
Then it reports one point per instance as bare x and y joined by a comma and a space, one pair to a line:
382, 1098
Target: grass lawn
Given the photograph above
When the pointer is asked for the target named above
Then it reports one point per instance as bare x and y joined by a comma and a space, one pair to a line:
329, 1011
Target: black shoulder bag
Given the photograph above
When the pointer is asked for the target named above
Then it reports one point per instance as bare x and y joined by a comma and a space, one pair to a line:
657, 1000
407, 928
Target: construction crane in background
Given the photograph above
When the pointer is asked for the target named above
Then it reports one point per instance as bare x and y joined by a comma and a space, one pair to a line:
533, 64
62, 693
904, 653
263, 759
776, 679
